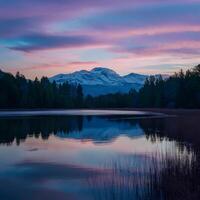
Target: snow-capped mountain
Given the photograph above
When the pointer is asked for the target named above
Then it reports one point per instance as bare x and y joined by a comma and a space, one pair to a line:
101, 81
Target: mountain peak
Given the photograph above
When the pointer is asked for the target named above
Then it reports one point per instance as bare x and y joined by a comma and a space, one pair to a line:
101, 80
103, 69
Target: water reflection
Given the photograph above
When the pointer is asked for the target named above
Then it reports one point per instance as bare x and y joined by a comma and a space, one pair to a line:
97, 129
104, 157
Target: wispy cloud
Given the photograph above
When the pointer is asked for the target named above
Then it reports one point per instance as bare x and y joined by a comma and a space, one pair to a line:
42, 42
147, 29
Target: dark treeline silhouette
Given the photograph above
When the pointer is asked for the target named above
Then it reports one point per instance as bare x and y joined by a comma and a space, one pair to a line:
182, 90
18, 92
117, 100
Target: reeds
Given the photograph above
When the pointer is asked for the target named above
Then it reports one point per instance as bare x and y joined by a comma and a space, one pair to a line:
160, 176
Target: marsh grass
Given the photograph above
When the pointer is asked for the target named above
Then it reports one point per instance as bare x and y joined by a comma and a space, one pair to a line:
159, 176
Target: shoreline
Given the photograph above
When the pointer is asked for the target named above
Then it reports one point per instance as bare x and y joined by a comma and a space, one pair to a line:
76, 112
99, 112
163, 110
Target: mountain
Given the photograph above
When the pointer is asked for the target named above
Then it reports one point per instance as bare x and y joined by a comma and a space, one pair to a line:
101, 80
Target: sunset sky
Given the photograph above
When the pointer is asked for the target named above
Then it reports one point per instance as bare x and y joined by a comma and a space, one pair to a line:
47, 37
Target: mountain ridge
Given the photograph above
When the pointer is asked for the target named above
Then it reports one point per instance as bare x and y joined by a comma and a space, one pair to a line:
101, 80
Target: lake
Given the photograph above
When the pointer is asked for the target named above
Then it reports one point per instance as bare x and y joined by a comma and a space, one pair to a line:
99, 155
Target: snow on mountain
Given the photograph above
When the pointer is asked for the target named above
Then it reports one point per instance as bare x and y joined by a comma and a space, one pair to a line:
101, 81
97, 76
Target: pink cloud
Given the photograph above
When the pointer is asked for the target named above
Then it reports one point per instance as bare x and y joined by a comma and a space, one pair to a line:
154, 30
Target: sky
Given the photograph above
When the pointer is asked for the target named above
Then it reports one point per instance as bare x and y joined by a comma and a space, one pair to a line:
47, 37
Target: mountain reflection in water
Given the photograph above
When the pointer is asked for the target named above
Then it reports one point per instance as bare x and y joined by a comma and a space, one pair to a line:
102, 157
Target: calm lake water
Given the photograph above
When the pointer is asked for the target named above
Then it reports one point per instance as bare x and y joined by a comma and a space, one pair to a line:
99, 155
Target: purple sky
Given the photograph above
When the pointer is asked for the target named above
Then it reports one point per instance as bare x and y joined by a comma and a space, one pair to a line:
46, 37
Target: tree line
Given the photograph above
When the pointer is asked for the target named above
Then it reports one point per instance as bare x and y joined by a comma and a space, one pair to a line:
181, 90
18, 92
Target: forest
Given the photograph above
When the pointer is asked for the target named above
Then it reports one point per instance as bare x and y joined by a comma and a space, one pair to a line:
18, 92
181, 90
